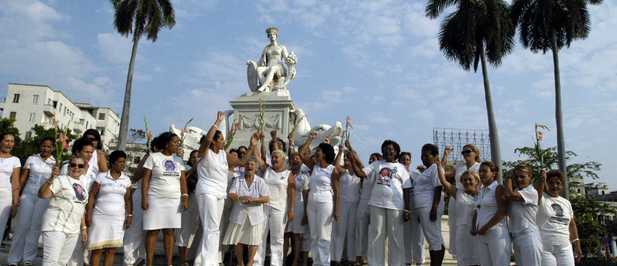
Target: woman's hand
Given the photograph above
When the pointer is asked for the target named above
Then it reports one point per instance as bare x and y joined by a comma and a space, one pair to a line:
336, 216
128, 221
246, 200
144, 204
185, 201
290, 216
433, 214
14, 208
84, 234
483, 230
220, 117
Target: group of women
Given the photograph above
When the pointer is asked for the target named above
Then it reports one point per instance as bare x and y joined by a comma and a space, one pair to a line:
279, 200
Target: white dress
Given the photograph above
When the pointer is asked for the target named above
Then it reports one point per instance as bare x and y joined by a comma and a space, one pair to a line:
165, 210
107, 228
246, 221
7, 166
296, 226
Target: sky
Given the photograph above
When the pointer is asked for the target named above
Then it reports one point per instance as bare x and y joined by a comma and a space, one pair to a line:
377, 61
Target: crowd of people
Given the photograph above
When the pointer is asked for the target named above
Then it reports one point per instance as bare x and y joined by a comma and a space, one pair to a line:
279, 203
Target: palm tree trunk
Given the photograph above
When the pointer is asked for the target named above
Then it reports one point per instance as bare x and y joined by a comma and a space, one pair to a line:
126, 106
561, 147
492, 125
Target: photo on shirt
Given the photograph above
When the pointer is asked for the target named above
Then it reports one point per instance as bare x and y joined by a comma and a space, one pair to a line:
80, 192
385, 176
170, 168
559, 216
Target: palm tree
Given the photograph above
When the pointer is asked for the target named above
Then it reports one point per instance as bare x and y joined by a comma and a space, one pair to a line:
138, 17
551, 25
477, 31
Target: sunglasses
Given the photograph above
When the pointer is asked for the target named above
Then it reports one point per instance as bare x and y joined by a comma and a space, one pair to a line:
466, 152
74, 165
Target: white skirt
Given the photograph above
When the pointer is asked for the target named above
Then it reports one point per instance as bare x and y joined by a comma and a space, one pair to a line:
162, 213
105, 232
245, 233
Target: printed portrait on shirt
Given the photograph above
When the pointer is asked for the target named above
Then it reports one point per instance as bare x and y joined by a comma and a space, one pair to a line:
170, 168
80, 192
559, 215
384, 177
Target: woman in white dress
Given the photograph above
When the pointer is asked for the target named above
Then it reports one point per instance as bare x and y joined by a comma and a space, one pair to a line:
10, 167
490, 219
295, 227
561, 244
109, 211
35, 172
323, 207
249, 193
414, 244
164, 195
63, 220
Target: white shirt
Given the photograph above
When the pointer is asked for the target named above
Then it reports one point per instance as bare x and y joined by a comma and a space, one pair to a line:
388, 179
277, 185
7, 166
554, 216
350, 187
320, 184
88, 178
523, 213
424, 190
166, 172
366, 185
462, 169
39, 171
465, 207
66, 206
213, 171
487, 204
110, 197
302, 183
241, 212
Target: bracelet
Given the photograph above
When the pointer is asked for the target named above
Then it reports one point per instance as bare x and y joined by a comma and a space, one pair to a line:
185, 194
84, 228
574, 241
129, 215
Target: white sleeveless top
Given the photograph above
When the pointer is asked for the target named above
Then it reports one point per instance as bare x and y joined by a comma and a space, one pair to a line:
213, 171
465, 206
350, 187
487, 204
277, 184
320, 184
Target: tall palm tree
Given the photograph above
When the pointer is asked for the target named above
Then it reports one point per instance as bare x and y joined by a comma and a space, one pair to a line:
138, 17
476, 32
551, 25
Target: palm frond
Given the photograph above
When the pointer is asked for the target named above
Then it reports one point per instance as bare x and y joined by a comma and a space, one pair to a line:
435, 7
124, 15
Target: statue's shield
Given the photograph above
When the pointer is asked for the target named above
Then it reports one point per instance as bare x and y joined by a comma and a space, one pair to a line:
252, 76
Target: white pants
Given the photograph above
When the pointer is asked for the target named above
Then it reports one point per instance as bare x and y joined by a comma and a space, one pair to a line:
466, 246
6, 201
190, 223
80, 255
210, 212
386, 224
362, 218
414, 243
452, 226
134, 236
27, 231
58, 247
528, 248
320, 223
558, 256
274, 224
343, 233
420, 218
495, 246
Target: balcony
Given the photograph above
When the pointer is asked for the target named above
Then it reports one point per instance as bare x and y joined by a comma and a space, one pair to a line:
49, 110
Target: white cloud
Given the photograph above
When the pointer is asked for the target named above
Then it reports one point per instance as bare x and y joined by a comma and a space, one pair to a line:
115, 48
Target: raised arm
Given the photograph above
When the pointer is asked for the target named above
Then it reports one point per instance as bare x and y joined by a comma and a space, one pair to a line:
356, 165
305, 151
45, 190
509, 193
205, 145
541, 185
139, 171
101, 157
449, 187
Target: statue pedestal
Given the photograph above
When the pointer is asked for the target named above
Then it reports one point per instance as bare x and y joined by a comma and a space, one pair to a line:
272, 109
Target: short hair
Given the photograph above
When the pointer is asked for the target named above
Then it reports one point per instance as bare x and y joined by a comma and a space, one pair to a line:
280, 141
523, 167
376, 154
404, 153
328, 152
431, 148
79, 145
474, 149
242, 147
97, 136
233, 150
164, 139
470, 173
555, 174
280, 153
387, 142
154, 144
115, 155
217, 135
52, 140
4, 134
490, 165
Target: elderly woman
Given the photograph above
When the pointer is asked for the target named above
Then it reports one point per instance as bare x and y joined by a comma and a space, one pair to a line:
9, 180
557, 224
164, 195
109, 210
249, 193
35, 172
64, 219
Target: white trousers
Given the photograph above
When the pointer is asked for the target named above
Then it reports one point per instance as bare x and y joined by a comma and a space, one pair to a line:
466, 246
343, 233
58, 247
80, 255
6, 201
362, 222
420, 219
558, 256
210, 212
414, 242
320, 225
386, 225
528, 248
452, 226
274, 224
190, 223
134, 236
495, 246
27, 231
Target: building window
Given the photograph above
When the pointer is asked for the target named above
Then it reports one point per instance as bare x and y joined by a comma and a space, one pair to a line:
35, 99
55, 104
13, 115
101, 116
31, 117
16, 98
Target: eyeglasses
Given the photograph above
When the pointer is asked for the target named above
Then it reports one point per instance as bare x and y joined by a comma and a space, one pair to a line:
74, 165
465, 152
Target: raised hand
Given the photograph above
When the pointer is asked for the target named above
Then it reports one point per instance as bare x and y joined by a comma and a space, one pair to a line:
220, 117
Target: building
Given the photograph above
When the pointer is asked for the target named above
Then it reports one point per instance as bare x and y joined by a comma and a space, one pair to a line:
29, 105
596, 190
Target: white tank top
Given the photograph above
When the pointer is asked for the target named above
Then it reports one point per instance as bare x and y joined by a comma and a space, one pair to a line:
350, 188
465, 206
277, 184
213, 171
487, 204
320, 184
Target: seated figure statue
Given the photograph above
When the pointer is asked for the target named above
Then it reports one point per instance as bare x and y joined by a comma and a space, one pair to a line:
276, 66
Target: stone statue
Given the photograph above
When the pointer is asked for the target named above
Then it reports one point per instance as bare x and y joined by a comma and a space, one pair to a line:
276, 66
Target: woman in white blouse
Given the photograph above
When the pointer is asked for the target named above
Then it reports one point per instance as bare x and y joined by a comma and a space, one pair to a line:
249, 193
164, 195
35, 172
557, 224
9, 180
109, 210
64, 218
